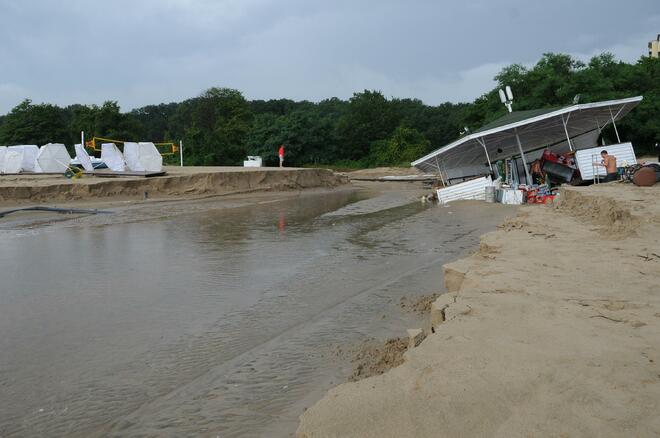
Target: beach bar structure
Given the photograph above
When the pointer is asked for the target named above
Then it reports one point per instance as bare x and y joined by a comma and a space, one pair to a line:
522, 136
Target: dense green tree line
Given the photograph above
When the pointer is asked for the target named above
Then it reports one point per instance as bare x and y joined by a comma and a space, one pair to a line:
221, 127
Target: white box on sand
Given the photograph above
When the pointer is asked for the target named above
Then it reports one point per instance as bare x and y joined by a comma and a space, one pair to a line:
23, 158
3, 152
20, 158
30, 153
13, 160
252, 161
112, 157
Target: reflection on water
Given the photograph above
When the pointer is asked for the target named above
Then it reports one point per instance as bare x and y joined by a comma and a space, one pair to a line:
213, 323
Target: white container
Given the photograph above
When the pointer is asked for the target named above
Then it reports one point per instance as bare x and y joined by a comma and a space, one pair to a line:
252, 161
3, 152
20, 159
30, 153
490, 194
510, 196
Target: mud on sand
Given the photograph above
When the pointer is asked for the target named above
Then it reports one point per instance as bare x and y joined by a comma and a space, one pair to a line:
373, 357
421, 304
551, 329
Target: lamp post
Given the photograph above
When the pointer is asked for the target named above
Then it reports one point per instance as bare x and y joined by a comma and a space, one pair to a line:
506, 97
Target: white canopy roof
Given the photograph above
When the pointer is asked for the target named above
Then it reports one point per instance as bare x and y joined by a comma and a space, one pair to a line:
536, 129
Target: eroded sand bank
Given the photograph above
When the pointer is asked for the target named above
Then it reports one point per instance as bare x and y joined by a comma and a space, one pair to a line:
551, 329
179, 181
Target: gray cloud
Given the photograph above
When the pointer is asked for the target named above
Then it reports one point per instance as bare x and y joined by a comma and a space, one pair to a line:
151, 51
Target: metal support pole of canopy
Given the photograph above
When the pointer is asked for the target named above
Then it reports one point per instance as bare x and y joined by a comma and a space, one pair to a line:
522, 155
568, 138
447, 181
437, 165
600, 131
483, 144
614, 123
444, 181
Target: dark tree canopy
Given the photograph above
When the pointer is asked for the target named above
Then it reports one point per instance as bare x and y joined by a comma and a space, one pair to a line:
221, 127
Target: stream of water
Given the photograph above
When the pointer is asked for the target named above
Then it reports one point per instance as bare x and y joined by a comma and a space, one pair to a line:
214, 323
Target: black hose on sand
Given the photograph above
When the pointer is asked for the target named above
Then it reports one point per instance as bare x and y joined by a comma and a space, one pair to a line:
56, 210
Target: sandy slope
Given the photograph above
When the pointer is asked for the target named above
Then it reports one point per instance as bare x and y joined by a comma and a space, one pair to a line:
551, 329
179, 182
377, 172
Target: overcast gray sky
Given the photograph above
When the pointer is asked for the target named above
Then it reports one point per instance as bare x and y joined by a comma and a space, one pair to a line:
151, 51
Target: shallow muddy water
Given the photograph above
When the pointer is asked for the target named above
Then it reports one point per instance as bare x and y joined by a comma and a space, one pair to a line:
213, 323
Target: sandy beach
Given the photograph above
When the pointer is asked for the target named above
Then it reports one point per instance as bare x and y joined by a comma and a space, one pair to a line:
552, 328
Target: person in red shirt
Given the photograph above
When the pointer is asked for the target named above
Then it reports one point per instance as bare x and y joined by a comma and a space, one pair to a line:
281, 154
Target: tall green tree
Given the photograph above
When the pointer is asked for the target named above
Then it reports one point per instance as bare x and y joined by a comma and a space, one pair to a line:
220, 126
369, 118
405, 145
220, 121
106, 121
38, 124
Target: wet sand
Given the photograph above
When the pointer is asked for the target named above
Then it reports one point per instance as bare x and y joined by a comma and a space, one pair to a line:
551, 329
212, 317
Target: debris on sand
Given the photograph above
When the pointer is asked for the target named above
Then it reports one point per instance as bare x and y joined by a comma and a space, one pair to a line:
420, 304
373, 358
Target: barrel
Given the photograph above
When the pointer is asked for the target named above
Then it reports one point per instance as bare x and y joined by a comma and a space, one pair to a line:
490, 194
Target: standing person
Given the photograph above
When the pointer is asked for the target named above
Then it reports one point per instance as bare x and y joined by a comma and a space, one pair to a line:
281, 154
657, 150
609, 163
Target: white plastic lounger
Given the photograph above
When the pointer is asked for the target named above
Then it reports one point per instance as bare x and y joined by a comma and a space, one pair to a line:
53, 157
112, 157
